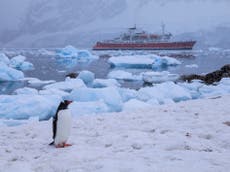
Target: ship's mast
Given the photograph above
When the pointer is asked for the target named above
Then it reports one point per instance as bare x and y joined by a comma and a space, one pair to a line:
163, 28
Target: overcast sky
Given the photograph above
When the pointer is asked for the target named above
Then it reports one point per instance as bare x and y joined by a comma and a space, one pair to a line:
11, 12
192, 13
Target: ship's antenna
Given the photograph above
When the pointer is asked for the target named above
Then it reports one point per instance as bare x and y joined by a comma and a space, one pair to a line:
163, 28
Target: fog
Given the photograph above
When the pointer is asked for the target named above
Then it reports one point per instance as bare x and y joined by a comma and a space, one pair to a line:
58, 22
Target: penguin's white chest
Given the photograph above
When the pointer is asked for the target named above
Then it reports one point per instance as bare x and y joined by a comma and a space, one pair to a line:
63, 126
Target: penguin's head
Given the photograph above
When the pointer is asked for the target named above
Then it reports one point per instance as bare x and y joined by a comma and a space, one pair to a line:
67, 102
64, 104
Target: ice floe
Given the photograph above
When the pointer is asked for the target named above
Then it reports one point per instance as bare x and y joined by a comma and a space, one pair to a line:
157, 77
192, 66
26, 90
123, 75
131, 61
100, 83
35, 82
143, 61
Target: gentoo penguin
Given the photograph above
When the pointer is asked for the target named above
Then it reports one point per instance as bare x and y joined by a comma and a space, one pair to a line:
61, 125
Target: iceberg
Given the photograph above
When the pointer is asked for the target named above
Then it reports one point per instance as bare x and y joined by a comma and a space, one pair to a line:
164, 62
72, 52
18, 62
4, 59
164, 91
84, 108
222, 88
53, 91
127, 94
26, 106
193, 88
9, 74
109, 95
67, 85
86, 76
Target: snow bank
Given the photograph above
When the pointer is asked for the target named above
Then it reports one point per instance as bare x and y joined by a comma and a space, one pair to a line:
187, 136
135, 104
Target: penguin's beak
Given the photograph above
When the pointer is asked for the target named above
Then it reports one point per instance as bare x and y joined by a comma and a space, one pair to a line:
68, 102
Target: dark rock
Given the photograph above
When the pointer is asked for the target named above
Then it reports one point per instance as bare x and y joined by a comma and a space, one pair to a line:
215, 76
209, 78
72, 75
226, 68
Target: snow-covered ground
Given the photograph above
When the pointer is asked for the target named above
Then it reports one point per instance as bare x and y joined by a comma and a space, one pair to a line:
186, 136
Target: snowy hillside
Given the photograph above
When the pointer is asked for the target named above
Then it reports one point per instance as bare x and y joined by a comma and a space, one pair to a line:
55, 23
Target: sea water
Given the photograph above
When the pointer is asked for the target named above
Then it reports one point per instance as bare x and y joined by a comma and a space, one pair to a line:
48, 67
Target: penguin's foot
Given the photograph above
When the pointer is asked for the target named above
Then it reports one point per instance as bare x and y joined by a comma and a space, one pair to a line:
62, 145
67, 145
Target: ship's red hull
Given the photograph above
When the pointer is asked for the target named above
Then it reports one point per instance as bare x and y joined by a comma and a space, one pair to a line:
188, 45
